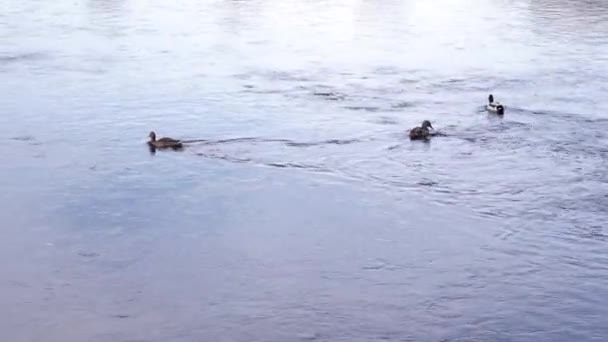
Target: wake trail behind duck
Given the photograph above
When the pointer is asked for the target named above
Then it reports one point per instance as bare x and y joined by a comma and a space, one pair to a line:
286, 142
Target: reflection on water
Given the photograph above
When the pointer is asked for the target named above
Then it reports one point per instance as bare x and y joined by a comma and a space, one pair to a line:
298, 209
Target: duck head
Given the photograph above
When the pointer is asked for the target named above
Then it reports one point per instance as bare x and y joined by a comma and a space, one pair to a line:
500, 110
152, 136
491, 98
426, 124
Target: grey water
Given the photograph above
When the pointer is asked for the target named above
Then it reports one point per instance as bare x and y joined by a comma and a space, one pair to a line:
302, 212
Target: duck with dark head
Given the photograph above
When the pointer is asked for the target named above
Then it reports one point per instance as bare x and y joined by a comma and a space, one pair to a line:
163, 143
422, 132
495, 107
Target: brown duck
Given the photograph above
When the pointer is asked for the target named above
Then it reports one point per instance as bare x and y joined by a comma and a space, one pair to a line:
422, 132
163, 142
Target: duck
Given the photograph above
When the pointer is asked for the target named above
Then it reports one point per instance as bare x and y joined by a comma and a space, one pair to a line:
495, 107
163, 142
422, 132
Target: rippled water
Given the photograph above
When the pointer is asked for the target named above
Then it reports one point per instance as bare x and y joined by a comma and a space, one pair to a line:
302, 212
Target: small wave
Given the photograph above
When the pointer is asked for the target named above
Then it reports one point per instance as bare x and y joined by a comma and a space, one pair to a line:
281, 165
253, 90
593, 232
387, 70
330, 95
242, 76
224, 157
285, 165
452, 84
284, 76
287, 142
88, 254
234, 141
403, 104
428, 183
121, 316
408, 80
194, 141
385, 120
574, 118
297, 166
602, 121
394, 147
509, 125
363, 108
323, 142
23, 138
21, 57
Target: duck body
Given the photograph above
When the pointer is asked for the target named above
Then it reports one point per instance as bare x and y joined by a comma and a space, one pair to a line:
164, 142
422, 132
495, 106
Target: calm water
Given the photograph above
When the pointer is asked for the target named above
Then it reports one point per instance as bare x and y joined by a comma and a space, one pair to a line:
305, 214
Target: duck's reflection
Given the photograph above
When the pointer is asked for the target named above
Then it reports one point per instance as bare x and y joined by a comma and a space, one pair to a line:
153, 148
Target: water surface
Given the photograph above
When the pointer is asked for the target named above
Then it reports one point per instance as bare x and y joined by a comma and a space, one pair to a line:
303, 213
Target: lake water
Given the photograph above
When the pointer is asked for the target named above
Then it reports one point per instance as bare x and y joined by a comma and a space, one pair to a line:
304, 213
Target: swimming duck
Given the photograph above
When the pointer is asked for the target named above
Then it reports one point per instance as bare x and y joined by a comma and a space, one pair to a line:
495, 107
163, 142
422, 132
